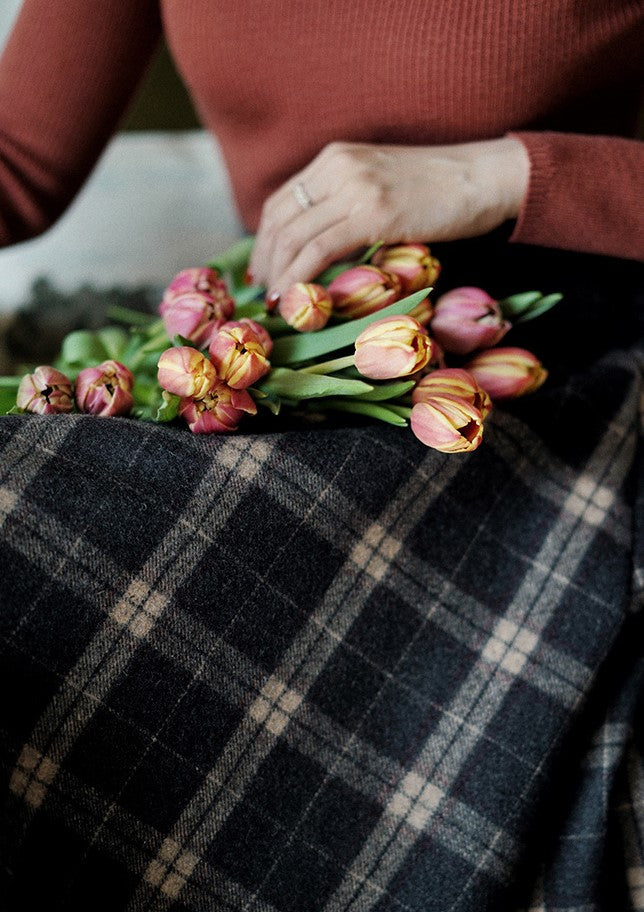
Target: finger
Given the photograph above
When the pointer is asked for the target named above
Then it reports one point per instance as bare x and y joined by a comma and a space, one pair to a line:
290, 240
279, 210
320, 251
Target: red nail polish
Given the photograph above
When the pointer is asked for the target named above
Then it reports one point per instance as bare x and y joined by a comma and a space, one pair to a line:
272, 301
248, 277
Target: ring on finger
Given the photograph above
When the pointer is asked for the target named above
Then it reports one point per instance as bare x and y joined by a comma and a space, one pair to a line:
301, 195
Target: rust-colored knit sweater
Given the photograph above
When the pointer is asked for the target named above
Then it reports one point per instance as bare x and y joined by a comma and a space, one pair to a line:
278, 79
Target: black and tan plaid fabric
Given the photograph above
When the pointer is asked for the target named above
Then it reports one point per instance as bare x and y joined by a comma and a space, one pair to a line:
325, 670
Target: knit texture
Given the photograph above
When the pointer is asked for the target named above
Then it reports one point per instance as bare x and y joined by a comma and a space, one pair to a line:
279, 79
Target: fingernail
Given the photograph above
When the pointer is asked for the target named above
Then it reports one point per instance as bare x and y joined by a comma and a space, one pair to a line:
248, 277
272, 300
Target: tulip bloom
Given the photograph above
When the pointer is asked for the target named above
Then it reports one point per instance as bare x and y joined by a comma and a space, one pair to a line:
306, 306
363, 290
218, 411
448, 424
454, 383
184, 371
466, 319
45, 392
105, 390
238, 355
392, 347
201, 278
423, 312
261, 333
195, 305
506, 373
412, 263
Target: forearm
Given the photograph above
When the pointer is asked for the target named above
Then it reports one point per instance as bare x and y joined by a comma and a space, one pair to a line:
585, 193
66, 76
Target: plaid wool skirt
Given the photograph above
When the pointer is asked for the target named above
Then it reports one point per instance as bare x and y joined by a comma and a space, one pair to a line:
328, 669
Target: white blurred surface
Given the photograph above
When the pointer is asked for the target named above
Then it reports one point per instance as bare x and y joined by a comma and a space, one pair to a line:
8, 12
157, 203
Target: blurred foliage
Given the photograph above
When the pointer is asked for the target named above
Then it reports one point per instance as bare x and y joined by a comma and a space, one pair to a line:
35, 332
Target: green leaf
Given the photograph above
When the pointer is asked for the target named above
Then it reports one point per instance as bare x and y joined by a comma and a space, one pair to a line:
296, 385
540, 307
328, 275
7, 400
358, 407
249, 303
384, 391
515, 304
274, 324
169, 408
179, 341
234, 261
146, 391
114, 341
267, 400
366, 256
305, 346
130, 317
82, 349
403, 410
10, 383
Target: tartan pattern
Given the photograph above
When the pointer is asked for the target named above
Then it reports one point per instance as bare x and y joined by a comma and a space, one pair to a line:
325, 669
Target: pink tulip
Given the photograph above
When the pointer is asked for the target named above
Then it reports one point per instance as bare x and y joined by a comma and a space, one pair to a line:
454, 383
363, 290
448, 424
506, 373
105, 390
412, 263
392, 347
261, 333
466, 319
195, 304
423, 312
220, 410
45, 392
306, 306
184, 371
238, 355
200, 278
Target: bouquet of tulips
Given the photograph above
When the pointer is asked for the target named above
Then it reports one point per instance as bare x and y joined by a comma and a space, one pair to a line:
363, 338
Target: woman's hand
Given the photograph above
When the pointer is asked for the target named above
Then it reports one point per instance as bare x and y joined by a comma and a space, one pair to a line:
353, 195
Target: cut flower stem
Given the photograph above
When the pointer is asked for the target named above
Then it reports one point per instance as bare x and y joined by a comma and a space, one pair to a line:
328, 367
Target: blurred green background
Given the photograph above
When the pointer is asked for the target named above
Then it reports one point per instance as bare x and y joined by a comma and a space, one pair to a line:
162, 102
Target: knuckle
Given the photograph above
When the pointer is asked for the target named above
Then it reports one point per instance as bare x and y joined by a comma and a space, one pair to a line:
317, 250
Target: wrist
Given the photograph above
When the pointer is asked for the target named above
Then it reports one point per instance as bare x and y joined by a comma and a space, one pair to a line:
513, 164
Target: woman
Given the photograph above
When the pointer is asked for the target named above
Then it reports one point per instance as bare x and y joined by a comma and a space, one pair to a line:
330, 669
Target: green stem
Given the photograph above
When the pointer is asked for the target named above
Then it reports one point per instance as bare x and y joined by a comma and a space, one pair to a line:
272, 324
235, 259
356, 407
328, 367
161, 339
131, 317
403, 410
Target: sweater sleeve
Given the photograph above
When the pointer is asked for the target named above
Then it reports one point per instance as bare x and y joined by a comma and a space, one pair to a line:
66, 76
585, 193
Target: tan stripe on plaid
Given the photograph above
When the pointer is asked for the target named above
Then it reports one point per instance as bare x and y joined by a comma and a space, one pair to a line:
281, 697
131, 618
481, 695
28, 450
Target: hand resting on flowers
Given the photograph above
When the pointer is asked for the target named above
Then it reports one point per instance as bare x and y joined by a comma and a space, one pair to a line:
355, 194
